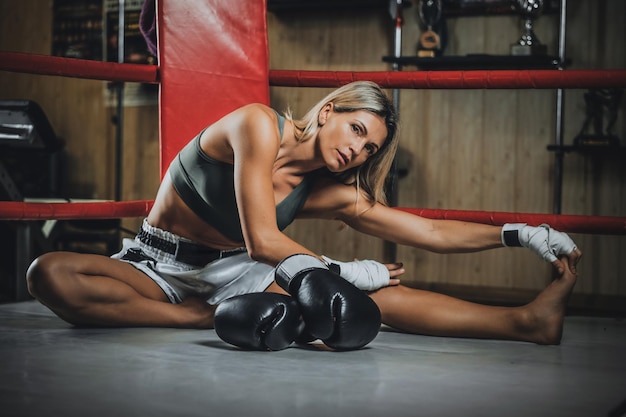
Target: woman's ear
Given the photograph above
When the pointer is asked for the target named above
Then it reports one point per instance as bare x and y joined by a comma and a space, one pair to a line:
323, 115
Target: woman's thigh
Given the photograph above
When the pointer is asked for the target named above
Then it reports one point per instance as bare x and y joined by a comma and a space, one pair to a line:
75, 271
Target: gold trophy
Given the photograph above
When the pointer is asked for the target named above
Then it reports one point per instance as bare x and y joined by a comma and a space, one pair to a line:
429, 42
529, 44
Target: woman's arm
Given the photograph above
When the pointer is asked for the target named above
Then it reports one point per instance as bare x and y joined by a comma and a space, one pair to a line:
441, 236
451, 236
253, 134
333, 200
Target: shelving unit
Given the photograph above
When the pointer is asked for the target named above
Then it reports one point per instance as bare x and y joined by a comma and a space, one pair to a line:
477, 62
504, 62
592, 150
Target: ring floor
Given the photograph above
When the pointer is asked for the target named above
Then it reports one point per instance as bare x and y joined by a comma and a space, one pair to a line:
49, 368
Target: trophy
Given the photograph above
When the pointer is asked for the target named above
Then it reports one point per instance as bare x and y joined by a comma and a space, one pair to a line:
429, 42
529, 44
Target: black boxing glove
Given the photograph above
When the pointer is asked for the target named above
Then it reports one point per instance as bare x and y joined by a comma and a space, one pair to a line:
334, 310
259, 321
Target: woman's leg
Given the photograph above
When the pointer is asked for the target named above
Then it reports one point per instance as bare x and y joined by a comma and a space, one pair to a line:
424, 312
96, 290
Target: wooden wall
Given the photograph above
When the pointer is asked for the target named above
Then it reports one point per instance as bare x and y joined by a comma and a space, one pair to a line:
470, 149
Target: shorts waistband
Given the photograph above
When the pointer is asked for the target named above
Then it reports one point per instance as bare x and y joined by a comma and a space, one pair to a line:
183, 250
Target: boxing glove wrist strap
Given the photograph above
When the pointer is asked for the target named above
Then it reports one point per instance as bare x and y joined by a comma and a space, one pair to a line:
543, 240
294, 265
510, 234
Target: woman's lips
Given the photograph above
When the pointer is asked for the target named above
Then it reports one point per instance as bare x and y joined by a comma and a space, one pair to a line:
344, 159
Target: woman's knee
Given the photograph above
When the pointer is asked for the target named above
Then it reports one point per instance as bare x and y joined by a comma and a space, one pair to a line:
45, 272
390, 300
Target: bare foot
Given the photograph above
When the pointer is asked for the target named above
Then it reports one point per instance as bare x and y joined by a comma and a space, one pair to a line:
200, 312
543, 318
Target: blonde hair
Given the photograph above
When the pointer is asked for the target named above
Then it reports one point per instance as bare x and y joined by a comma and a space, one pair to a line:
360, 95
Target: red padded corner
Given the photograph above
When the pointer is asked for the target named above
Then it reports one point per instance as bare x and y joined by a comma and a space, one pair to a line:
213, 58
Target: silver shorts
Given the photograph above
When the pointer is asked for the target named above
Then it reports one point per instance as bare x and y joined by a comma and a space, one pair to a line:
216, 281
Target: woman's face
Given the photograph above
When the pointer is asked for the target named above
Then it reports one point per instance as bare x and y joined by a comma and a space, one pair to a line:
347, 140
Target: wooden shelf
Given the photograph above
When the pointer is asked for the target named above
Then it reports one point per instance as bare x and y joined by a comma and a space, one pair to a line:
478, 62
600, 150
324, 5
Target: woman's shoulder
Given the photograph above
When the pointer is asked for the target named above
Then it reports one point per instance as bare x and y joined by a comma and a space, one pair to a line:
253, 118
250, 124
247, 118
253, 113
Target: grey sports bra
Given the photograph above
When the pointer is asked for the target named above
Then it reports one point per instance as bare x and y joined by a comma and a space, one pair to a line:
207, 186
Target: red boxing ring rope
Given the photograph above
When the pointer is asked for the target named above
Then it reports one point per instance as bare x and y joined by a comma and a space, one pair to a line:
11, 210
604, 225
77, 68
478, 79
15, 210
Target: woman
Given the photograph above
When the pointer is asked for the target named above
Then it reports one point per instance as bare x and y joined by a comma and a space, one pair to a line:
215, 229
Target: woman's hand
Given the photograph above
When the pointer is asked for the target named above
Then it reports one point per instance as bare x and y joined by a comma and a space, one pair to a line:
366, 275
546, 242
395, 270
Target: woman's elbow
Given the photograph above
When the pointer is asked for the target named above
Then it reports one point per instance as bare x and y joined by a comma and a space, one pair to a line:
261, 250
256, 254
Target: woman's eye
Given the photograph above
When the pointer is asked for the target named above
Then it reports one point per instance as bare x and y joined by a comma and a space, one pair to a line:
356, 129
371, 149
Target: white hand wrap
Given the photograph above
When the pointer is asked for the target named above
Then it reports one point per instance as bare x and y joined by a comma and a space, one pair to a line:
365, 275
545, 241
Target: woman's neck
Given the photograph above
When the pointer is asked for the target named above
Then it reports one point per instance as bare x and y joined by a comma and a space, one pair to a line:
298, 158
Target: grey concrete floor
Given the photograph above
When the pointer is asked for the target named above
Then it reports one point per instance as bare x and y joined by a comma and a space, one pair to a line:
48, 368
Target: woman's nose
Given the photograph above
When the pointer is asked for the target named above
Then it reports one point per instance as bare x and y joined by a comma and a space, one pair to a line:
357, 146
